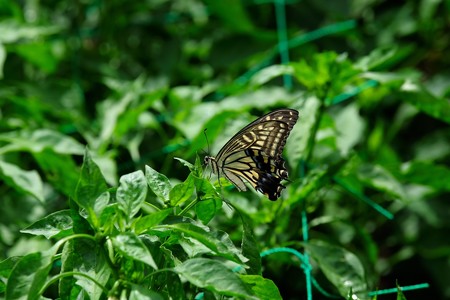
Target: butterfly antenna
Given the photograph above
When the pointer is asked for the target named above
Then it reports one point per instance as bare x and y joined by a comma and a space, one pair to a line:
208, 152
207, 141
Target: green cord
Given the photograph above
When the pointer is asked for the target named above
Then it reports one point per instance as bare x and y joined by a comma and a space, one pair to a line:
353, 92
403, 288
295, 42
283, 48
305, 239
364, 198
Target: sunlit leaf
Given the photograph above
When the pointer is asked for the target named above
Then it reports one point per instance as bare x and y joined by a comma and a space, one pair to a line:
182, 192
131, 193
28, 182
219, 243
147, 222
57, 224
158, 183
213, 275
263, 288
418, 96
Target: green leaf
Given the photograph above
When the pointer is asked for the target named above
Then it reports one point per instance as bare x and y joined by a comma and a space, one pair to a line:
182, 192
400, 295
101, 203
233, 13
29, 274
6, 267
326, 73
214, 276
38, 140
205, 190
60, 170
419, 172
185, 163
300, 138
207, 209
87, 257
138, 292
2, 59
56, 225
381, 179
129, 245
383, 58
313, 181
109, 216
28, 182
148, 222
342, 268
90, 187
39, 53
351, 128
219, 243
159, 183
423, 100
13, 31
214, 126
250, 247
25, 274
262, 288
265, 75
131, 193
175, 288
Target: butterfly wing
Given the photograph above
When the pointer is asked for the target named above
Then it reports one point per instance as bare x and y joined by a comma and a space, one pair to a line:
254, 153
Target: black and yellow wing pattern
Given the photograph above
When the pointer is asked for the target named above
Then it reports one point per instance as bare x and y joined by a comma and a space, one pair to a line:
254, 154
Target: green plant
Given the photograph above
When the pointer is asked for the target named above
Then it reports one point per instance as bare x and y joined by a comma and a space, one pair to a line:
106, 247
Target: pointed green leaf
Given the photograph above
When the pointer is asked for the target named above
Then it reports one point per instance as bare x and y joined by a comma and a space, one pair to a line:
265, 75
423, 100
185, 163
300, 138
218, 242
129, 245
138, 292
90, 187
149, 221
207, 209
400, 295
6, 267
60, 170
264, 289
29, 275
182, 192
131, 193
41, 139
86, 257
205, 190
56, 225
250, 247
341, 267
214, 276
91, 183
419, 172
158, 183
381, 179
28, 182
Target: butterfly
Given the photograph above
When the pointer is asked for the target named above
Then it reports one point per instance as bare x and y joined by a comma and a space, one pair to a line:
254, 154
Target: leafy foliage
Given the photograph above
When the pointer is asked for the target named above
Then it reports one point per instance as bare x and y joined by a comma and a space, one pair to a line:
97, 98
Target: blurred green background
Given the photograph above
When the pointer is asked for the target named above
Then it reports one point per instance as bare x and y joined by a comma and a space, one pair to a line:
139, 81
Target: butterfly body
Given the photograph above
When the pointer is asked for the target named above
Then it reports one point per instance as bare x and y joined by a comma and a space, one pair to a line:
254, 154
